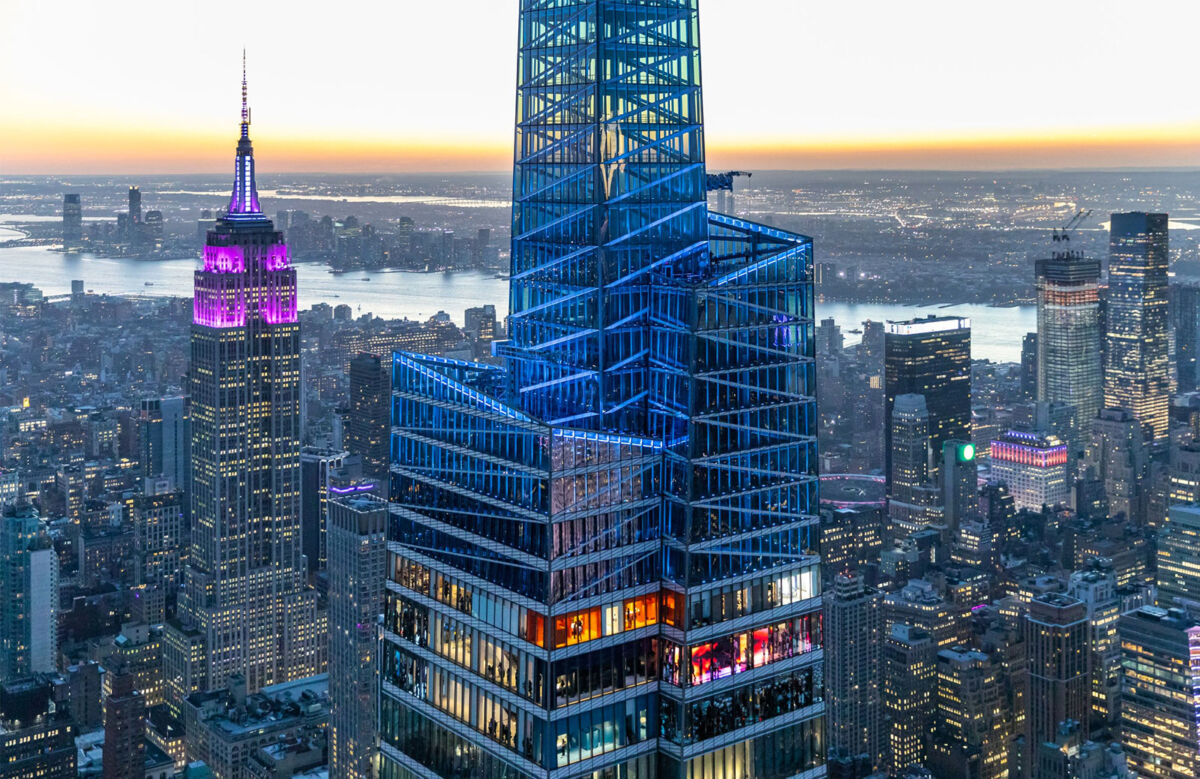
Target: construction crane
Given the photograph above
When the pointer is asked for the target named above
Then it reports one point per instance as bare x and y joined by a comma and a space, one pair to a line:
724, 181
1063, 234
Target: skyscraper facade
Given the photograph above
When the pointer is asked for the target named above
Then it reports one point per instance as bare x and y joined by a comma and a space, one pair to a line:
164, 439
1179, 558
1069, 335
28, 595
1185, 329
368, 421
1034, 467
567, 526
930, 357
357, 572
854, 630
244, 587
1160, 702
72, 224
1056, 636
1136, 369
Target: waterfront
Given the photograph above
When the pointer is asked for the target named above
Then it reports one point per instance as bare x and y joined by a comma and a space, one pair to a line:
996, 332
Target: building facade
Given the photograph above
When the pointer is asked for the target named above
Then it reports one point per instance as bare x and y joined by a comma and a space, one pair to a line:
1056, 637
1179, 558
245, 583
854, 631
368, 421
1069, 368
1034, 467
930, 357
357, 572
1160, 705
1185, 329
606, 551
1137, 374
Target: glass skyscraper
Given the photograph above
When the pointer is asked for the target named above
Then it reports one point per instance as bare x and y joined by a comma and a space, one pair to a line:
1069, 336
1136, 371
605, 553
930, 357
245, 608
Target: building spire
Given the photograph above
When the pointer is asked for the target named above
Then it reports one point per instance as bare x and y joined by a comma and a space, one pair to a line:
244, 202
245, 104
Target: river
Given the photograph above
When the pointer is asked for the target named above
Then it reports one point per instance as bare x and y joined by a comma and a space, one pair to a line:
996, 332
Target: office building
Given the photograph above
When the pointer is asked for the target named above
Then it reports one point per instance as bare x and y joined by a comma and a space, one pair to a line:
159, 535
534, 516
930, 357
37, 736
1056, 637
1179, 557
124, 725
357, 572
480, 323
226, 727
1034, 467
909, 694
1069, 335
318, 468
72, 222
245, 582
1184, 309
914, 501
970, 735
1096, 587
853, 632
1117, 458
164, 440
135, 207
960, 482
1160, 693
1137, 374
1029, 366
28, 595
368, 422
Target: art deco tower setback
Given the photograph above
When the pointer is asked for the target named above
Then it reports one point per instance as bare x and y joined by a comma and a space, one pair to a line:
605, 553
244, 609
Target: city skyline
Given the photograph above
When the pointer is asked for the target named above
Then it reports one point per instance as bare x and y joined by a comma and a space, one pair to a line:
885, 102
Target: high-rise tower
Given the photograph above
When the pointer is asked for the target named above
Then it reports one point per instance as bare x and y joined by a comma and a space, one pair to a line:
930, 357
245, 600
1136, 371
565, 528
1068, 340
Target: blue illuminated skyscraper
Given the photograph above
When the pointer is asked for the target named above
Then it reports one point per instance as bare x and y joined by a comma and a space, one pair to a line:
606, 555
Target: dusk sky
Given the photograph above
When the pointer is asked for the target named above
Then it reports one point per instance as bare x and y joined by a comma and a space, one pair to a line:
146, 87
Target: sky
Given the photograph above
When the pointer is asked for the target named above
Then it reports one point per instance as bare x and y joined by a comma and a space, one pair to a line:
428, 85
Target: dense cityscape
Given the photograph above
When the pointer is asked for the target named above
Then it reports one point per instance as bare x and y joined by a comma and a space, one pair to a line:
612, 466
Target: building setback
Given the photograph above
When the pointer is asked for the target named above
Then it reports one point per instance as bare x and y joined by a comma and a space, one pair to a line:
244, 588
565, 527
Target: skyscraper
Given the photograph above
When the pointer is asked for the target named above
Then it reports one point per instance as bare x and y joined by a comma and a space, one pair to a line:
357, 572
1069, 335
574, 515
1029, 366
164, 439
1179, 558
1136, 370
930, 357
854, 630
135, 207
28, 595
1117, 458
909, 691
72, 226
1056, 637
1185, 328
914, 501
1160, 705
317, 469
367, 422
244, 587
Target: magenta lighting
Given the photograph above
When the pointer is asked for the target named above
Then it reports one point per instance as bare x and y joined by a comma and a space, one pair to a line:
225, 259
220, 300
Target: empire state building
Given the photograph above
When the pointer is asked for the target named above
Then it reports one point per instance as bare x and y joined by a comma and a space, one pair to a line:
245, 608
